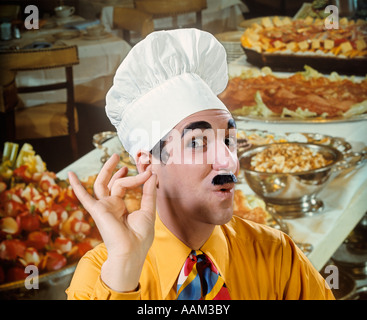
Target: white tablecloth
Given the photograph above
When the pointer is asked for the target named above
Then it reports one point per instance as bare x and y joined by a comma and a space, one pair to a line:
93, 76
345, 197
220, 15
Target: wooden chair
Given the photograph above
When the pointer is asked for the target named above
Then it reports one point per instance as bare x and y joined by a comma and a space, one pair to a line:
132, 20
41, 121
169, 8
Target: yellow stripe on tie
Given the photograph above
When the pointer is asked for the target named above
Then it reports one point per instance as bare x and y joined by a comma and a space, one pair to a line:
192, 275
217, 287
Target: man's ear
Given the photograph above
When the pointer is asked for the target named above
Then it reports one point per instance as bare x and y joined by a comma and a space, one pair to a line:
143, 160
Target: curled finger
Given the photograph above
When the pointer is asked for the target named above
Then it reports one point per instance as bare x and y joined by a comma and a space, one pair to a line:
119, 174
120, 185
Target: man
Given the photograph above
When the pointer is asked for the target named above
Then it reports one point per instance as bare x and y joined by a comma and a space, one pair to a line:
183, 243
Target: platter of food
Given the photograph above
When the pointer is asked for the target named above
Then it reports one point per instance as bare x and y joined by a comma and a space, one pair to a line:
301, 97
288, 176
286, 44
252, 138
253, 208
42, 224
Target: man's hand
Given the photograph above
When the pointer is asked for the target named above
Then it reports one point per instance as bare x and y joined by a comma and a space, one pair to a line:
127, 237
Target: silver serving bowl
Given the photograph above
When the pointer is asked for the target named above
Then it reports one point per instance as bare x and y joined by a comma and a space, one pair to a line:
51, 286
294, 194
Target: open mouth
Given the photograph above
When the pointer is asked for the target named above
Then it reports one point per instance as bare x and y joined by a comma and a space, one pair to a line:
225, 188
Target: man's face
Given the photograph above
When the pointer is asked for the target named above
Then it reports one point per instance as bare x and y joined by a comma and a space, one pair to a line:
200, 166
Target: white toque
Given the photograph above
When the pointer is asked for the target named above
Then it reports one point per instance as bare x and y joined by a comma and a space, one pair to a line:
165, 78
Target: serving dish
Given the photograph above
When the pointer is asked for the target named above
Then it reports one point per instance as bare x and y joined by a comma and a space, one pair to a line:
294, 195
306, 96
50, 286
253, 137
296, 62
360, 117
287, 44
42, 224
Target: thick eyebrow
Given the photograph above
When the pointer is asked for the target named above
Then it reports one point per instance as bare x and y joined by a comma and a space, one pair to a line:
196, 125
231, 124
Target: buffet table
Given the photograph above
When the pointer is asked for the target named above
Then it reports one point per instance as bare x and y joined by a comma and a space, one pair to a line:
344, 199
99, 58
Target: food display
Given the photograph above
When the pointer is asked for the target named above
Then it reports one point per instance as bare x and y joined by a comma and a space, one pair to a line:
132, 196
302, 95
250, 207
288, 158
287, 45
292, 193
307, 35
254, 138
42, 223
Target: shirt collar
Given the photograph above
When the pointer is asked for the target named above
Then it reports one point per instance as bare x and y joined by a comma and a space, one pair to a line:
171, 253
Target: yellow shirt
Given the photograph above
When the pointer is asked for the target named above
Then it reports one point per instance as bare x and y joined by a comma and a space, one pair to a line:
256, 262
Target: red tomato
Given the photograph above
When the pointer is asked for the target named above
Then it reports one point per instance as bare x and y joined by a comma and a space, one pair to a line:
83, 248
22, 173
55, 261
15, 274
11, 207
37, 239
12, 249
29, 222
79, 250
63, 245
58, 208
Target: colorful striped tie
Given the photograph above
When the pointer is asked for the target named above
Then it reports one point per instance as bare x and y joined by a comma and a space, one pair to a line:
199, 279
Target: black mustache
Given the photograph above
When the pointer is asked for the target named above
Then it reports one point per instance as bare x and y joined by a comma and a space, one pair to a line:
223, 179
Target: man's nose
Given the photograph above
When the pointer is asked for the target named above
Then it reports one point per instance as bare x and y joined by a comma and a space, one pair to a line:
224, 159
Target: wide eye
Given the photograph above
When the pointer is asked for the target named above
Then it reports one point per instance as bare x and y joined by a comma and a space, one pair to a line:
230, 141
198, 142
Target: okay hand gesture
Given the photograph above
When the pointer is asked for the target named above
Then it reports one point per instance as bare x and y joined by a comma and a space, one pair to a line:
127, 237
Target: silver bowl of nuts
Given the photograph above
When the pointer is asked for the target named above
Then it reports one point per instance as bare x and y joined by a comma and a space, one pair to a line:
288, 176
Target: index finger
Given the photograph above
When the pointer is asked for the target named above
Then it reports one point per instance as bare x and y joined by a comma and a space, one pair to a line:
84, 197
120, 185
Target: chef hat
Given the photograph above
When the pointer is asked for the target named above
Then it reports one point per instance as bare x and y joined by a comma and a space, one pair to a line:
165, 78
